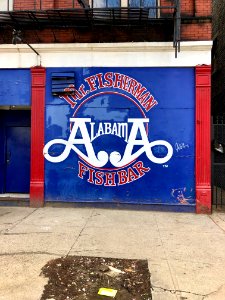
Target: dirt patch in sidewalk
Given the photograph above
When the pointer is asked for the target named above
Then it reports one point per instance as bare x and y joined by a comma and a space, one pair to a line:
81, 277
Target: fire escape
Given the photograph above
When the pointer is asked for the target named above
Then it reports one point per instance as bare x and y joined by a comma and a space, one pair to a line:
85, 24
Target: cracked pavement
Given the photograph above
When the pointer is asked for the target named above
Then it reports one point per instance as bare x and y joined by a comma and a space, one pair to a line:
185, 251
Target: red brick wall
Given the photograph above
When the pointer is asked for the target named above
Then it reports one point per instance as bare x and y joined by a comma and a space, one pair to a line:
85, 35
44, 4
191, 7
203, 8
165, 11
66, 4
196, 32
191, 29
24, 4
188, 7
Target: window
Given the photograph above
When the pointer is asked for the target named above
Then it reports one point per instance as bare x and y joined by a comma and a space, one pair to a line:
142, 3
105, 3
6, 5
145, 4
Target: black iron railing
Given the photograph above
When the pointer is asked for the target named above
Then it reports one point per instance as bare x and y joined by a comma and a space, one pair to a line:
38, 16
42, 4
218, 161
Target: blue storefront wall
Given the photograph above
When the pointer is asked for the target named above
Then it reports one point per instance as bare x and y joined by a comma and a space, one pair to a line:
15, 87
126, 136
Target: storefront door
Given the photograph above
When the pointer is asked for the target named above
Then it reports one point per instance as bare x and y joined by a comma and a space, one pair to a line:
17, 159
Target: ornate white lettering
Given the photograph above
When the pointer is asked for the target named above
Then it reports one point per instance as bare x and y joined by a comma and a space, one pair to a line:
136, 137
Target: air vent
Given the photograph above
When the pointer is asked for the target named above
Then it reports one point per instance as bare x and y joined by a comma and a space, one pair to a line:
63, 83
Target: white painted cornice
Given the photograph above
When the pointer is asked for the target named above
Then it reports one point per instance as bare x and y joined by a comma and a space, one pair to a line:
115, 47
106, 54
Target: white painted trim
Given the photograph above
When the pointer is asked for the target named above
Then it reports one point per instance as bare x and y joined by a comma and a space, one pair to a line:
5, 5
124, 3
14, 196
106, 54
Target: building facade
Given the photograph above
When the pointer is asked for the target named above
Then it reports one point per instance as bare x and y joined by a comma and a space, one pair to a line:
107, 102
218, 99
218, 55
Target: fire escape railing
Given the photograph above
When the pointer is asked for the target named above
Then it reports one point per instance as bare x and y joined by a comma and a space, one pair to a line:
36, 17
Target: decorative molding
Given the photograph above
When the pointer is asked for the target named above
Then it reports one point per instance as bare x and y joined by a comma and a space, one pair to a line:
155, 54
203, 139
38, 84
117, 47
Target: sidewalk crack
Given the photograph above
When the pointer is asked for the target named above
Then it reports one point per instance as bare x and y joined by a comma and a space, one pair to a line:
3, 214
19, 221
30, 253
214, 292
91, 215
217, 223
173, 291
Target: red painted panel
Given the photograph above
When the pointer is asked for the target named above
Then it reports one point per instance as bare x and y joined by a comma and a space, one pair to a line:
38, 75
203, 139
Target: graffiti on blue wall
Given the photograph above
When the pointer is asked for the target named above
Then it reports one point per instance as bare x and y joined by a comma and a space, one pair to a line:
123, 135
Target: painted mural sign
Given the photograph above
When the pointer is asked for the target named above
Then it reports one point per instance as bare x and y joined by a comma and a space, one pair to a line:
110, 168
121, 135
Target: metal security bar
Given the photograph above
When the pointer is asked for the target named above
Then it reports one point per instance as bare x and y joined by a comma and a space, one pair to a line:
177, 25
218, 161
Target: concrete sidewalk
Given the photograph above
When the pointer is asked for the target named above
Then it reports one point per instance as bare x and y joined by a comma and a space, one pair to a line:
186, 252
